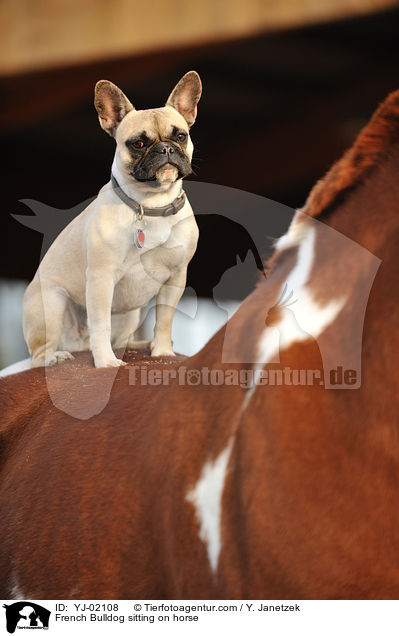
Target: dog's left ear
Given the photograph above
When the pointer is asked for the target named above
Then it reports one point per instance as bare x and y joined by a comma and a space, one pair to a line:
186, 95
111, 104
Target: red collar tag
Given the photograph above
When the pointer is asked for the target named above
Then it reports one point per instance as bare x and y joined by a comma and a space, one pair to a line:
139, 238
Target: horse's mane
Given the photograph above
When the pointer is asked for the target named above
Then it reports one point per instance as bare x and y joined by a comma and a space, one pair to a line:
370, 147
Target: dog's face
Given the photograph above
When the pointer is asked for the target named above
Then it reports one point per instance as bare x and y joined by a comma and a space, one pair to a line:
154, 148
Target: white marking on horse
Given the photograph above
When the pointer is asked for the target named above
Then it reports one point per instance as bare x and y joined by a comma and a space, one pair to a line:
294, 234
16, 592
206, 498
299, 275
307, 319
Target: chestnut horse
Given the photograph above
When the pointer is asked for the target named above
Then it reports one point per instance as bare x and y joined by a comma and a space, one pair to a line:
201, 488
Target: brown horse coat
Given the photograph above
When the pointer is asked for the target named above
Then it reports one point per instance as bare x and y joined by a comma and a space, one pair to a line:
199, 491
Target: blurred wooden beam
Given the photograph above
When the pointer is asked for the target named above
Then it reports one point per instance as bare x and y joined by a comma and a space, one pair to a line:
32, 96
47, 34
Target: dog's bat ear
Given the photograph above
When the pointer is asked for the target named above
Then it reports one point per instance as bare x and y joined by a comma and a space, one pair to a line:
111, 104
186, 95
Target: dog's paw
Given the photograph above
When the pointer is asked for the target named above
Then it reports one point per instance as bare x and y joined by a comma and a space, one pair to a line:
110, 362
159, 350
57, 357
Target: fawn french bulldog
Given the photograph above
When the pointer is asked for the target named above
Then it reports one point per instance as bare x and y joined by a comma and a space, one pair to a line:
132, 243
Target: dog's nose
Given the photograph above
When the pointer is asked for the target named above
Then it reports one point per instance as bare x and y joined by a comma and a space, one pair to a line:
165, 148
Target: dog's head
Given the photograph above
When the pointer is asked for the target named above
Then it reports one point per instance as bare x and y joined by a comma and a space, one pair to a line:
154, 148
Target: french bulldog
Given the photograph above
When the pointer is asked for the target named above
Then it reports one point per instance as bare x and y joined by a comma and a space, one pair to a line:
131, 244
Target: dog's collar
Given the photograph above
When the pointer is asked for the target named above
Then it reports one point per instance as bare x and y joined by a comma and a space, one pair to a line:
141, 210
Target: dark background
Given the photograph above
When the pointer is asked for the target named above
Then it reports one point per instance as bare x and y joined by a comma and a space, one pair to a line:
276, 111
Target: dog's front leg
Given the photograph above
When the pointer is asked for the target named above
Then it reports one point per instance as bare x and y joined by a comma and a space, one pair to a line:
167, 299
99, 293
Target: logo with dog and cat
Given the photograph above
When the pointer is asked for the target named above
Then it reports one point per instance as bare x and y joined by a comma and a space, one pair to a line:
26, 615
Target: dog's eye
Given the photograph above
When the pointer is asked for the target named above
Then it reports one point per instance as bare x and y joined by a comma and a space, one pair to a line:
181, 137
137, 144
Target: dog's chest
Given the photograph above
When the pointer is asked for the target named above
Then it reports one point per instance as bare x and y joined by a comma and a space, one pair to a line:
156, 232
145, 270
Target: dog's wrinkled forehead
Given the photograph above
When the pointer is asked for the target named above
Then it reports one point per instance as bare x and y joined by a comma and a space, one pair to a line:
156, 123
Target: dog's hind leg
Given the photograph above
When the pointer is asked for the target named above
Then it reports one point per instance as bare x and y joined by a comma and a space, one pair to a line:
123, 329
43, 316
